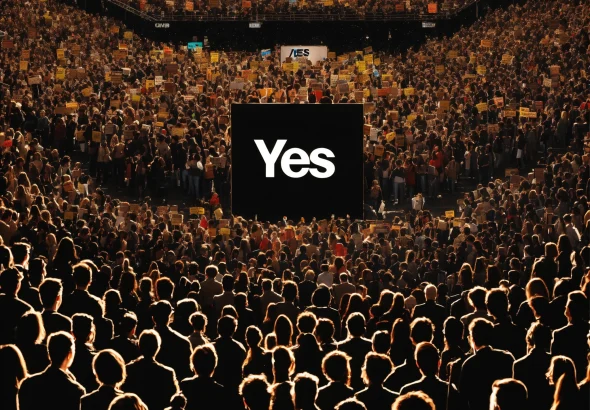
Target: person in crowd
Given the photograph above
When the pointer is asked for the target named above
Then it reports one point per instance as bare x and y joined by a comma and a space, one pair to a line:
474, 385
14, 371
509, 394
202, 390
375, 396
55, 386
336, 368
150, 380
109, 368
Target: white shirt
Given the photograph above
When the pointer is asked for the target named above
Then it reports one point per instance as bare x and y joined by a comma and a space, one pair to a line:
326, 278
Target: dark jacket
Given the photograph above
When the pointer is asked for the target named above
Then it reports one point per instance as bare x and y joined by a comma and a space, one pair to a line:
532, 370
203, 393
175, 352
153, 382
332, 394
571, 341
56, 322
479, 372
357, 348
51, 389
100, 399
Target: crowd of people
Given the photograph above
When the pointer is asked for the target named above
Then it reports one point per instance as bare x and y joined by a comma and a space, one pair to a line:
115, 303
329, 8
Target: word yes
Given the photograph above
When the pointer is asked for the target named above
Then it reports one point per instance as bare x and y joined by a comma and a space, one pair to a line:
270, 158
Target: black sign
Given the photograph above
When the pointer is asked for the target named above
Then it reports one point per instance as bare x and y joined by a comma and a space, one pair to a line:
297, 161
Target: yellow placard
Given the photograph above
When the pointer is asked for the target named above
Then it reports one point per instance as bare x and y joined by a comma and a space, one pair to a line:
440, 69
24, 65
197, 210
449, 214
60, 74
214, 58
481, 70
176, 219
224, 231
482, 107
128, 35
60, 53
486, 43
149, 84
87, 91
409, 91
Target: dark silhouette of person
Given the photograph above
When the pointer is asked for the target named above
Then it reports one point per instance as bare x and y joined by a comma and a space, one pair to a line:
126, 343
305, 391
84, 330
11, 307
336, 368
507, 335
427, 359
421, 330
433, 311
109, 368
51, 295
201, 390
55, 387
80, 300
481, 370
532, 368
413, 401
321, 308
509, 394
153, 382
231, 355
356, 347
306, 289
254, 389
175, 350
12, 372
283, 366
375, 396
128, 401
29, 337
571, 340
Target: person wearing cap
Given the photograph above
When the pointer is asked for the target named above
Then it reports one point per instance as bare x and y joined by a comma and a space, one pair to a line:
11, 306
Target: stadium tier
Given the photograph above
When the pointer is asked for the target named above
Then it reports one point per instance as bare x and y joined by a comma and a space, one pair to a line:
340, 217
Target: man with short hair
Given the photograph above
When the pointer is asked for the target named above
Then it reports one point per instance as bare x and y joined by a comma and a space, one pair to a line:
109, 368
254, 391
201, 390
414, 401
509, 394
55, 387
571, 340
227, 297
428, 361
287, 307
433, 311
50, 292
231, 355
11, 307
175, 348
532, 368
480, 371
357, 347
342, 288
210, 287
153, 382
477, 299
268, 296
80, 300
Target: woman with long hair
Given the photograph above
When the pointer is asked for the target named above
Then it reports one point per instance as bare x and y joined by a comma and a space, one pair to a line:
564, 260
128, 287
258, 361
525, 315
283, 329
12, 372
402, 348
562, 375
61, 265
30, 334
